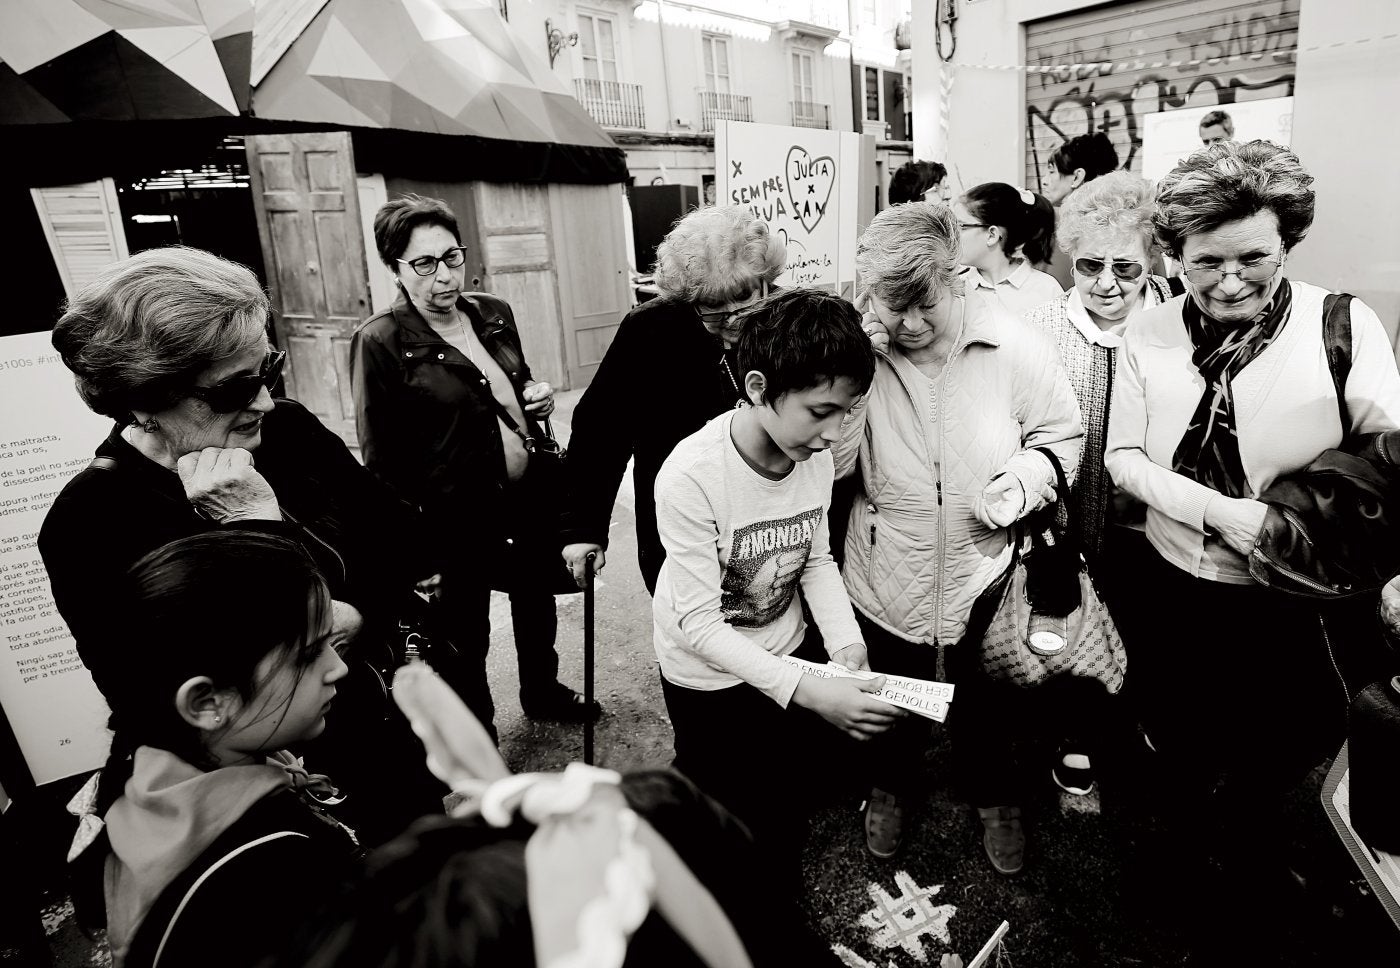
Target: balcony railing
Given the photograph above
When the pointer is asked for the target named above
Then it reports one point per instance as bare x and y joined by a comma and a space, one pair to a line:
611, 103
809, 114
723, 107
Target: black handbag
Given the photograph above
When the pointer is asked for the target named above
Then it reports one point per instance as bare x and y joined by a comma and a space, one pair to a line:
528, 555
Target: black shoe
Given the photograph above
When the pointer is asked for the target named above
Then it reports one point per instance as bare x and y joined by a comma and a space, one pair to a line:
562, 705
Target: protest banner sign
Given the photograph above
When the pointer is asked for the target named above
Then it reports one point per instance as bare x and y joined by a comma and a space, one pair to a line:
814, 188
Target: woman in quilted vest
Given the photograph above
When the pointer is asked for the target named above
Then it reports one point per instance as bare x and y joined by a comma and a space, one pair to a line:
1106, 228
943, 444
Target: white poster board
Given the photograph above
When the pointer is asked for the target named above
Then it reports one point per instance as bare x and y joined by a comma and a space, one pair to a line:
1169, 136
805, 183
47, 435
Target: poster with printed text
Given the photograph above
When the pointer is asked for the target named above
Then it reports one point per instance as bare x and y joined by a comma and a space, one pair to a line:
805, 184
47, 435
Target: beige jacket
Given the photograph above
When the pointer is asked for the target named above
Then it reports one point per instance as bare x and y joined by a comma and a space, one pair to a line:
918, 552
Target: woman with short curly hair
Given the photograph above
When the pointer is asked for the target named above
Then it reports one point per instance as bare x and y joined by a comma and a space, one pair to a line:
1217, 395
1106, 229
714, 262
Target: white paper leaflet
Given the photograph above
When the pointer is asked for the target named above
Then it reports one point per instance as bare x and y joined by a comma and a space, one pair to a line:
920, 696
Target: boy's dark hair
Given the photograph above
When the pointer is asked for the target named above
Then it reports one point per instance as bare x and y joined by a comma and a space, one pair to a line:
910, 181
801, 338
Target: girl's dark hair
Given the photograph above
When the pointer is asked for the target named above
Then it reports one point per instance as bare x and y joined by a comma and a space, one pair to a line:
396, 220
213, 604
1027, 219
802, 338
1092, 152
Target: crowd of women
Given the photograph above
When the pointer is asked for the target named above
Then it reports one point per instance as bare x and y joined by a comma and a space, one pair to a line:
239, 584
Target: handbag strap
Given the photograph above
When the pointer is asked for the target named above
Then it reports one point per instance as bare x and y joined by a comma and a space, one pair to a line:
531, 445
1336, 341
1062, 492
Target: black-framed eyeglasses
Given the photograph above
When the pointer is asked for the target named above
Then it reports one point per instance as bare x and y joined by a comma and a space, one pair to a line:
426, 265
972, 225
236, 393
1206, 276
1127, 271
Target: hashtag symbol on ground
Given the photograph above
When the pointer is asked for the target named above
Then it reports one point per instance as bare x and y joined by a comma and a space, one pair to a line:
903, 921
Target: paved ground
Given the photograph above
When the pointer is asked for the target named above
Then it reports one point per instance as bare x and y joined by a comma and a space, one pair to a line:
1094, 892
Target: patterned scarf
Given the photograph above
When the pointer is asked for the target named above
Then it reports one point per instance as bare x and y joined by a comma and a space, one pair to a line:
1209, 452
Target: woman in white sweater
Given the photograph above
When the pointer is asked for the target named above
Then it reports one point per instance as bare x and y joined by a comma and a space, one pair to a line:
1216, 396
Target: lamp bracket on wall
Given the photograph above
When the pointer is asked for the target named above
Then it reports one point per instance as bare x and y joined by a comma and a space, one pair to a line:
558, 40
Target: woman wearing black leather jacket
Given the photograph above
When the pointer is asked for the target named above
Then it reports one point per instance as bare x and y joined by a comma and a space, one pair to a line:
448, 415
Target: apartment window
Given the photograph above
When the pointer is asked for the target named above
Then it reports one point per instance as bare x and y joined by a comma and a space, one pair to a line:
716, 55
867, 11
803, 89
872, 94
597, 46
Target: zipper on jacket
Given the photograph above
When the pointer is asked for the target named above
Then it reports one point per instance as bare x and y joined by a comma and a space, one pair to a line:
939, 485
870, 562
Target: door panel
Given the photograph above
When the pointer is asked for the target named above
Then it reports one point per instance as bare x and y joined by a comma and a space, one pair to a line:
307, 201
591, 255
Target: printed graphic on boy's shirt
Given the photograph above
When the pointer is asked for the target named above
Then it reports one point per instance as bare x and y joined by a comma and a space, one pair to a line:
765, 562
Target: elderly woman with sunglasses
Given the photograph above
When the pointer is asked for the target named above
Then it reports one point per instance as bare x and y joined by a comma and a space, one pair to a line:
711, 264
1106, 229
172, 345
449, 416
1217, 395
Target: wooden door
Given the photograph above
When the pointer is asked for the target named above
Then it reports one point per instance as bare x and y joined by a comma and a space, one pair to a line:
591, 257
307, 201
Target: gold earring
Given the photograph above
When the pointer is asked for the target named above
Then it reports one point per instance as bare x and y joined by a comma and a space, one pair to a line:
150, 426
218, 719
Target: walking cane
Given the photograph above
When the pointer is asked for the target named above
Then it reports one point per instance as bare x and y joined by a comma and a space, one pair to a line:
588, 564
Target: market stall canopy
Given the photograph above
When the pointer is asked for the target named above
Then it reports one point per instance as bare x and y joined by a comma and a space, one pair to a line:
427, 67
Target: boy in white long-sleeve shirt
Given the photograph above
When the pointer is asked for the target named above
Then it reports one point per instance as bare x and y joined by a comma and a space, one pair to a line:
741, 509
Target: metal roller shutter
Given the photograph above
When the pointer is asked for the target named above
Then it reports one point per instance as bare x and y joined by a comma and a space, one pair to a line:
1224, 51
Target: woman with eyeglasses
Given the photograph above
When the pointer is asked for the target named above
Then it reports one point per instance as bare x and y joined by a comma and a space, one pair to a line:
450, 417
1106, 229
172, 345
1003, 232
1217, 395
713, 262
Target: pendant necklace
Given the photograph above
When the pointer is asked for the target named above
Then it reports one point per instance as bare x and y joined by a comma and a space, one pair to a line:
739, 394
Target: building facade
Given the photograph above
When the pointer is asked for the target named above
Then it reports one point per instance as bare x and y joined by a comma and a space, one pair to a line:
659, 75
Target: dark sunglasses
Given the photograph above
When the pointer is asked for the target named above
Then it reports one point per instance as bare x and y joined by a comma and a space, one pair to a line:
1127, 271
236, 393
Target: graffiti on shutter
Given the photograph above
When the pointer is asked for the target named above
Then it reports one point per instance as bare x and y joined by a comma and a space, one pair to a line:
1108, 67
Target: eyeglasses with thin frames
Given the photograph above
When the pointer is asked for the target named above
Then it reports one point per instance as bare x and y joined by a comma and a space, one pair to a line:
427, 265
1206, 276
237, 393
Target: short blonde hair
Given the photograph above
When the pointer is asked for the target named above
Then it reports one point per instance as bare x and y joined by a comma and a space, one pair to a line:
138, 335
1119, 202
717, 255
908, 253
